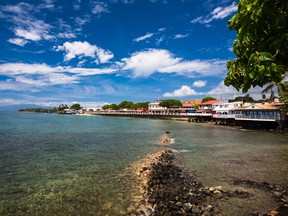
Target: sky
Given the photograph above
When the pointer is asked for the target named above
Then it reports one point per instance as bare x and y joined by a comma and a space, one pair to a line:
94, 52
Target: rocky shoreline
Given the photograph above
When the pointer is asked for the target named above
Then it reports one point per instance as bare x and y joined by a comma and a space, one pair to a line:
164, 188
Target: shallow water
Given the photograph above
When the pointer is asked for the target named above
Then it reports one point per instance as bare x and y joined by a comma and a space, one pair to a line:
72, 165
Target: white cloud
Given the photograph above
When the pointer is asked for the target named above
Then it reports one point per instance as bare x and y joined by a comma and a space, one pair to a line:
221, 13
217, 13
229, 92
18, 41
84, 49
24, 24
99, 8
160, 40
49, 102
144, 37
88, 71
182, 92
28, 35
179, 36
145, 63
197, 19
10, 69
199, 83
46, 80
223, 91
21, 8
195, 68
67, 35
16, 69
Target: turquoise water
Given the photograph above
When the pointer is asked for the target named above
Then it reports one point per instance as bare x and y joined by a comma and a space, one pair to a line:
73, 165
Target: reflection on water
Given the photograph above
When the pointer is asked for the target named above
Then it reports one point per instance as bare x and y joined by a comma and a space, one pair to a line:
68, 165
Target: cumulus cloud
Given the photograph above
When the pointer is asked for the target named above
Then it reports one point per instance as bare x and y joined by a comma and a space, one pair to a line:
199, 83
18, 41
217, 13
144, 37
182, 92
84, 49
145, 63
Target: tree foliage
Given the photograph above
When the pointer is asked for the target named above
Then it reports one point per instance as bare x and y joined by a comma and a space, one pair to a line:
170, 103
76, 106
261, 45
125, 104
246, 98
62, 107
208, 98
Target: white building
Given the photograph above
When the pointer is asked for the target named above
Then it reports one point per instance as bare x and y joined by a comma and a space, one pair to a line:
225, 109
155, 108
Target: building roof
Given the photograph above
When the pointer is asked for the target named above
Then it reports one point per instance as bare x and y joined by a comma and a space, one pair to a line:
209, 102
259, 106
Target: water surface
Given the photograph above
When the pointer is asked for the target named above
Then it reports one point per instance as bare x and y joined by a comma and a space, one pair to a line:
72, 165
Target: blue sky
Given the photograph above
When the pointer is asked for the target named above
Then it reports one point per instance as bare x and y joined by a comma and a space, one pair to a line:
96, 52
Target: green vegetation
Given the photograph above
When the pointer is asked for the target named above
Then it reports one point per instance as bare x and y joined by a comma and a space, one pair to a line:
58, 109
208, 98
169, 103
126, 105
246, 98
261, 45
40, 110
62, 107
76, 106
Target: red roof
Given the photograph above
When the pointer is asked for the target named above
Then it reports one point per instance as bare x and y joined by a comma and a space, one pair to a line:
209, 102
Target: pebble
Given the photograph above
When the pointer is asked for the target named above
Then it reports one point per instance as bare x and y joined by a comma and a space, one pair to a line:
217, 194
107, 206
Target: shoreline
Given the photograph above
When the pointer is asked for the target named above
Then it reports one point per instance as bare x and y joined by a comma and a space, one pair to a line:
165, 188
180, 118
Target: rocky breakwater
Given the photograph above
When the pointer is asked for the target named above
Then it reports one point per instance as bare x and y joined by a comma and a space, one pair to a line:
164, 188
167, 189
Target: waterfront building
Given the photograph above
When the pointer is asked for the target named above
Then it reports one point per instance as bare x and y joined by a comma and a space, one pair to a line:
154, 107
207, 107
258, 112
224, 109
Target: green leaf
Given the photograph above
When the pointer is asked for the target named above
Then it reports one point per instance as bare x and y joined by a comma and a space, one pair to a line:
265, 56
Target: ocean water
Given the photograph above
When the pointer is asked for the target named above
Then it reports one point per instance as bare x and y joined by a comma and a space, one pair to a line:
76, 165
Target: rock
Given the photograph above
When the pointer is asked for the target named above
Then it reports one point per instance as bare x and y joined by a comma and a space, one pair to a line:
179, 204
207, 192
212, 189
187, 207
217, 194
195, 209
219, 188
209, 208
